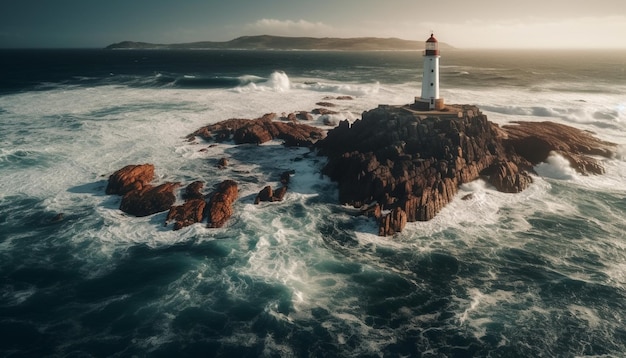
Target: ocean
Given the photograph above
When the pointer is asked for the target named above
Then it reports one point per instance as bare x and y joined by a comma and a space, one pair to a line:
541, 273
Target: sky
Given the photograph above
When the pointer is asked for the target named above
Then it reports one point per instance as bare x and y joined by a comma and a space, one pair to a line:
460, 23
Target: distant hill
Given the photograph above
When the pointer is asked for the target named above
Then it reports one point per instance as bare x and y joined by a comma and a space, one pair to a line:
266, 42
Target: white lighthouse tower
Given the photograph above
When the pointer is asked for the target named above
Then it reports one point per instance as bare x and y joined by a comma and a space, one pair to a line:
430, 99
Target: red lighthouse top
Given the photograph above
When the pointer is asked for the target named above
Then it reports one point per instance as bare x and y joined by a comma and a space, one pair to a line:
432, 46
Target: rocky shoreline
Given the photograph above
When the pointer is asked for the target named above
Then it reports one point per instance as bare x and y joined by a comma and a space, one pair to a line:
397, 164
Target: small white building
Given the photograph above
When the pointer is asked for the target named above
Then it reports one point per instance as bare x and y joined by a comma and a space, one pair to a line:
430, 99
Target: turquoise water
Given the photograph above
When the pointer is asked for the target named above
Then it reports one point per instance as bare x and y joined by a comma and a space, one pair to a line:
540, 273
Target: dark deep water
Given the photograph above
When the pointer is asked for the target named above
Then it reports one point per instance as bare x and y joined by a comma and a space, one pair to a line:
540, 273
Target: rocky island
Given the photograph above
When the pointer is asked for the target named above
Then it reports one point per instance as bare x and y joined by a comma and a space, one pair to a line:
404, 165
397, 163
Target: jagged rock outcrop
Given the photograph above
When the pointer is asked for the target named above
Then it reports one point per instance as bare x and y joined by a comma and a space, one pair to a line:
412, 163
506, 177
261, 130
536, 140
130, 177
392, 223
149, 199
143, 199
219, 208
267, 194
192, 211
194, 191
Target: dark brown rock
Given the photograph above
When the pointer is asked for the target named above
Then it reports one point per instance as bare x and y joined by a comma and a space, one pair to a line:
292, 117
219, 208
323, 111
285, 177
192, 210
194, 191
507, 178
325, 104
536, 140
222, 163
261, 130
265, 194
392, 223
271, 116
255, 132
298, 135
408, 161
304, 116
372, 211
279, 194
338, 97
149, 199
189, 213
131, 177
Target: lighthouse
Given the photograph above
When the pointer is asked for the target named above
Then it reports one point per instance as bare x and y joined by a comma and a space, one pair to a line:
430, 99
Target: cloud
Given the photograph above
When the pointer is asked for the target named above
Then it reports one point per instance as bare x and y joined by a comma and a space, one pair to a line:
290, 28
534, 32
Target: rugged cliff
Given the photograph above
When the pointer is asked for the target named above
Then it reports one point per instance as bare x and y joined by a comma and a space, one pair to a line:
411, 163
405, 165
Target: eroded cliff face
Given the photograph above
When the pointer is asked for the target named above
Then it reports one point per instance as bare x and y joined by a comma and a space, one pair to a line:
411, 163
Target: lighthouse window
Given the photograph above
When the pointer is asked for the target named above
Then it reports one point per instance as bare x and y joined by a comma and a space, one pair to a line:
432, 70
431, 84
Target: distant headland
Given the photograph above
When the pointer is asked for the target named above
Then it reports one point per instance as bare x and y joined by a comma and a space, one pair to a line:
267, 42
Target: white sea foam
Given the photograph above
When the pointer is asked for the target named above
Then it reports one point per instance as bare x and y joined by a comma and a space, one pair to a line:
556, 167
278, 82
